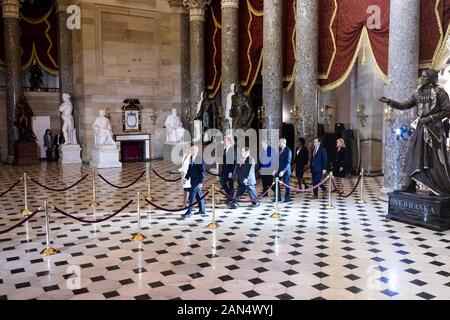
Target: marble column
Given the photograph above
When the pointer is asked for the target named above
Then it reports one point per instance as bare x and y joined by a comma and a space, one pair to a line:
272, 64
13, 66
178, 9
230, 46
403, 73
64, 49
306, 68
197, 51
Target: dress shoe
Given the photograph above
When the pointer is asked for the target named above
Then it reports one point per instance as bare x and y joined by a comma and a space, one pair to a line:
287, 201
232, 206
203, 214
186, 215
255, 205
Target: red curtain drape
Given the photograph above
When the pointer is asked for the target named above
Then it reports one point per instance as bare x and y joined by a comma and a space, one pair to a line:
213, 48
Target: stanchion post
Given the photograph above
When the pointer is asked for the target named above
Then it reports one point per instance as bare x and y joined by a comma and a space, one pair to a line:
330, 186
48, 251
25, 211
149, 186
361, 190
138, 236
276, 214
94, 203
213, 224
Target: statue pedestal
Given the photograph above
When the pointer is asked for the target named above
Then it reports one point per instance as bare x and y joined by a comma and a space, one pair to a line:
105, 156
26, 153
431, 212
169, 148
70, 154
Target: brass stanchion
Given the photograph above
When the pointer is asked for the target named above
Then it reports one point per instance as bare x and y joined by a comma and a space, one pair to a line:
149, 186
329, 205
361, 190
94, 203
276, 214
138, 236
25, 211
48, 251
213, 224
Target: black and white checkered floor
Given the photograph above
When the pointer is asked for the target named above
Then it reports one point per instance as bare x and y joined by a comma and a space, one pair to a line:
351, 252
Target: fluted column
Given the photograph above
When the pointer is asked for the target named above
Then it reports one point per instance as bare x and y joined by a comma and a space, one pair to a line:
13, 68
197, 49
403, 71
230, 46
272, 63
306, 67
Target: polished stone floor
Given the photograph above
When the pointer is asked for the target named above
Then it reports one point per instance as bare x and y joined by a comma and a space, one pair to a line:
351, 252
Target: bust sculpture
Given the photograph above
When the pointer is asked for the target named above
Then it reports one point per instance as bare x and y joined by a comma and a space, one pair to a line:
68, 129
103, 134
174, 128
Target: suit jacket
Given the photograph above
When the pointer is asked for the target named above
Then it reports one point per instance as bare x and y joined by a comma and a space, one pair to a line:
196, 172
48, 141
301, 159
284, 162
246, 170
341, 159
319, 161
229, 161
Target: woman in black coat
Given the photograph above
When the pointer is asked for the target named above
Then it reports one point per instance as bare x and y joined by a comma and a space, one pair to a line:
301, 162
340, 160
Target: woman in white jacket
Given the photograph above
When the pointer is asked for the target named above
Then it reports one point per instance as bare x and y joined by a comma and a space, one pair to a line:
183, 170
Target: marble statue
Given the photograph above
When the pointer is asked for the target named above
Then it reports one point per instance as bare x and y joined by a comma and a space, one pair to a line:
103, 134
198, 123
428, 162
68, 128
174, 128
228, 121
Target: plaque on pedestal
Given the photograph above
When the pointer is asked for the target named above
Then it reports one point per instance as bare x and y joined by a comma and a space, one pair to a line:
431, 212
70, 154
25, 153
105, 156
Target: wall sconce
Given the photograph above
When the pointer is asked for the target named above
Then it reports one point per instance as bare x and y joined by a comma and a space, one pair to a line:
362, 117
326, 115
262, 116
389, 115
154, 116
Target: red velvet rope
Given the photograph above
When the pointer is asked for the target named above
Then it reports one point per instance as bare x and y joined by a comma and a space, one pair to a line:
306, 190
341, 194
21, 222
177, 210
247, 200
10, 188
60, 190
165, 179
94, 221
122, 187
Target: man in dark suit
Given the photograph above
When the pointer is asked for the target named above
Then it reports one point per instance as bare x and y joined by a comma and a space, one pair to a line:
246, 178
196, 173
228, 168
58, 140
284, 169
319, 165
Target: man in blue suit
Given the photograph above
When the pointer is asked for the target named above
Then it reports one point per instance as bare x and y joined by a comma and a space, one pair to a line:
228, 168
196, 173
284, 169
319, 165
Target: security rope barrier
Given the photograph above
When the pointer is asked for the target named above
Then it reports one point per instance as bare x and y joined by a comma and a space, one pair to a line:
165, 179
122, 187
10, 188
30, 216
60, 190
308, 189
246, 200
341, 193
177, 210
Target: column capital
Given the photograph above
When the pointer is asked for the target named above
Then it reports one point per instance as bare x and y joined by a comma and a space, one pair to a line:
11, 9
233, 4
196, 9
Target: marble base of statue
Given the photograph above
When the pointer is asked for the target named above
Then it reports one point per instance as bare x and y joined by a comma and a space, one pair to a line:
70, 154
420, 209
105, 156
26, 153
168, 149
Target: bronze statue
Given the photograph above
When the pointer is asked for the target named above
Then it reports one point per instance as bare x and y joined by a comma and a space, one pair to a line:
241, 112
35, 77
24, 116
209, 114
428, 160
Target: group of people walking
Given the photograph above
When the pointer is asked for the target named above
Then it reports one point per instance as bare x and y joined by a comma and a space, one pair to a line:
242, 168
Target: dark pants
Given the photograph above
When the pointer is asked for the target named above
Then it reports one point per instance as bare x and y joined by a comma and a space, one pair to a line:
227, 186
286, 180
56, 153
316, 178
194, 195
266, 183
300, 179
49, 154
251, 192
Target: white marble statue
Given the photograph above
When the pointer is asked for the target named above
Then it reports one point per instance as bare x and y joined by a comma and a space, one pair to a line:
174, 128
103, 134
228, 119
198, 123
68, 128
